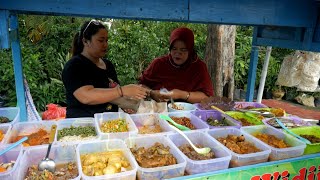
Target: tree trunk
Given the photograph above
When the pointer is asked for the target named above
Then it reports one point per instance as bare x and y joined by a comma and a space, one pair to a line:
219, 57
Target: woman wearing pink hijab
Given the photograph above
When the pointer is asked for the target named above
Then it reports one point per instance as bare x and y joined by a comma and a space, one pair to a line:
181, 71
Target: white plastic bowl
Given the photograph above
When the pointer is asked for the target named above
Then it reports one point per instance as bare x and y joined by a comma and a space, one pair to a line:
182, 107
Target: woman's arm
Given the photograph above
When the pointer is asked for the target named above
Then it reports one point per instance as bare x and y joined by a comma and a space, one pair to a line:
192, 97
92, 96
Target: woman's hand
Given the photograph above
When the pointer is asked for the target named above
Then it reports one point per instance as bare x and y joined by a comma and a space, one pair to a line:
134, 91
157, 96
178, 94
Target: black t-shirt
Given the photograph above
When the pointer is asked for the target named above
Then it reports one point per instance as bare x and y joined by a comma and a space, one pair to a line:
80, 71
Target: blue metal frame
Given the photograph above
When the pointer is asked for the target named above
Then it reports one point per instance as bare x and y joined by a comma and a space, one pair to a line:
17, 66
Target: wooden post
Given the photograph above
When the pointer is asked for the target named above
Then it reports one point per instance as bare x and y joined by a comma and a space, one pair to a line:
219, 57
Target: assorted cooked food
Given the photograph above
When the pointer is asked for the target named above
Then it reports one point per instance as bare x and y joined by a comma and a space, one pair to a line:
215, 122
189, 151
157, 155
37, 138
238, 144
6, 166
184, 121
103, 163
312, 138
152, 129
4, 119
287, 122
114, 126
77, 133
63, 171
272, 140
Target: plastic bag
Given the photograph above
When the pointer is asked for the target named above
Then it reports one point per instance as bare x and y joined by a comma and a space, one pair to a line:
54, 112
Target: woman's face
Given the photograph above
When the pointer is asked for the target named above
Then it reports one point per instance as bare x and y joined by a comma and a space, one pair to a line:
98, 45
179, 52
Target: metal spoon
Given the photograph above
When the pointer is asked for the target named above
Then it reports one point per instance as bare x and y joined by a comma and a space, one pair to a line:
204, 150
47, 163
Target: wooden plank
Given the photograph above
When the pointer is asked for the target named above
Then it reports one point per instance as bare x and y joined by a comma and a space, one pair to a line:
289, 44
176, 10
294, 13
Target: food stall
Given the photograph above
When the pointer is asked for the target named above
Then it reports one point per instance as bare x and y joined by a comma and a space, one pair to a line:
291, 24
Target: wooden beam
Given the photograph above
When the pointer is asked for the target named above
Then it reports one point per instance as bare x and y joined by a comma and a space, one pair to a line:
176, 10
293, 13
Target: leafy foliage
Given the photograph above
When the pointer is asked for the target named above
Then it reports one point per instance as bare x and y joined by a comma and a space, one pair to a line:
46, 42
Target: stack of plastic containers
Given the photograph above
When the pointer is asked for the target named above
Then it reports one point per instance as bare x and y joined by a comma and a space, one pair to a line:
15, 155
296, 146
151, 119
216, 115
101, 118
222, 156
106, 146
243, 159
60, 155
163, 172
243, 105
12, 113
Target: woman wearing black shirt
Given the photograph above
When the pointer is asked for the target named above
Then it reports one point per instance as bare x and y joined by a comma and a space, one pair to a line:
90, 80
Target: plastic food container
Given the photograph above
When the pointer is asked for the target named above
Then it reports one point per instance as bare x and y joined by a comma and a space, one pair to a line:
296, 146
309, 130
104, 117
60, 155
197, 122
12, 113
151, 120
222, 156
183, 106
249, 117
104, 146
243, 159
27, 128
75, 122
243, 105
204, 115
163, 172
5, 128
294, 119
14, 154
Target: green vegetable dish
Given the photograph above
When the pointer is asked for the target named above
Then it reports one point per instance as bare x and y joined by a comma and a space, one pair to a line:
83, 131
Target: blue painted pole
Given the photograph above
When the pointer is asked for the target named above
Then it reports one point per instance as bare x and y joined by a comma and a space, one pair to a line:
17, 66
252, 73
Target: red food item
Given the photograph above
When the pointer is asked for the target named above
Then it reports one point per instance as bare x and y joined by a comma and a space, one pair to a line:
54, 112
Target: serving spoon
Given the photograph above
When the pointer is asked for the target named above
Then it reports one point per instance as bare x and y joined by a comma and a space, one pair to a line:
204, 150
167, 118
47, 163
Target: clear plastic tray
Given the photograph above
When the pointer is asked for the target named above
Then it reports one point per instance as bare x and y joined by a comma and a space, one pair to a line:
104, 146
205, 114
222, 156
151, 119
243, 105
5, 128
104, 117
75, 122
295, 119
197, 122
10, 112
26, 128
14, 154
158, 172
60, 155
296, 146
243, 159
